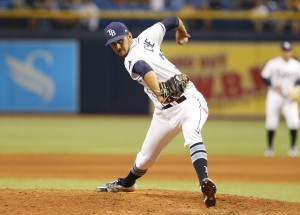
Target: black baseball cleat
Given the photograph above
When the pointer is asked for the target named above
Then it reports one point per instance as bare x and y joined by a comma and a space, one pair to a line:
209, 190
114, 186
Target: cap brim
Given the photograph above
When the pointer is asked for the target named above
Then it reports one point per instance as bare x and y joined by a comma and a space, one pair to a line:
115, 39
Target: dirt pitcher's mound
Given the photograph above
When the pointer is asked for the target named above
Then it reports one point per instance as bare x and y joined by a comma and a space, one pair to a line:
49, 202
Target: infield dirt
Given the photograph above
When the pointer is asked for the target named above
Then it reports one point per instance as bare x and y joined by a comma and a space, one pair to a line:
143, 201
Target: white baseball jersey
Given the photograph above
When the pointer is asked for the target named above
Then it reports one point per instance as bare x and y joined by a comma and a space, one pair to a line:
188, 116
284, 74
146, 47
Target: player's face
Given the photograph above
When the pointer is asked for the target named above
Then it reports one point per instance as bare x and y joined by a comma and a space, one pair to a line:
121, 47
286, 54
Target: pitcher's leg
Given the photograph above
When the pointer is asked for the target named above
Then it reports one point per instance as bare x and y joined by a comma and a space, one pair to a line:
158, 136
199, 160
194, 119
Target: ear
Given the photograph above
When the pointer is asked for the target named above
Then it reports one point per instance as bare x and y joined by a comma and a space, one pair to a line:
130, 35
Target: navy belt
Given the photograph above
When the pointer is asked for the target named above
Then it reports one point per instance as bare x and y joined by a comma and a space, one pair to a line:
178, 101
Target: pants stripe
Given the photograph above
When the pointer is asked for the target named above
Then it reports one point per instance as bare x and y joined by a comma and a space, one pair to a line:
198, 156
197, 148
137, 171
198, 151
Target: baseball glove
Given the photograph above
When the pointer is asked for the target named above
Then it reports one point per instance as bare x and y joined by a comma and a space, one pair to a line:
172, 89
294, 93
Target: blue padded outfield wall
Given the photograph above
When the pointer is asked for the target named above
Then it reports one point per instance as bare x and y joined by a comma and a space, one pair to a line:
39, 76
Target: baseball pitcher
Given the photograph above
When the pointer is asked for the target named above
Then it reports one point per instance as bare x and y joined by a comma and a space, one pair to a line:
179, 106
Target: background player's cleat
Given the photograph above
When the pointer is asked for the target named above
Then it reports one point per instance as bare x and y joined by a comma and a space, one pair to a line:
293, 152
115, 187
209, 189
269, 152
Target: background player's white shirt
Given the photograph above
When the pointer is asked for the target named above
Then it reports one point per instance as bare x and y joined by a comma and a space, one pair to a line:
283, 73
146, 47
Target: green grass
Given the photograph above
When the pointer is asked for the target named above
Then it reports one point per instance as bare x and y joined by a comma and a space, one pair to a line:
125, 134
71, 134
279, 191
96, 134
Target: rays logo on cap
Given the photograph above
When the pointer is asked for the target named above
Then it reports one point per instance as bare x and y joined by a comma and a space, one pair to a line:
114, 32
286, 46
111, 32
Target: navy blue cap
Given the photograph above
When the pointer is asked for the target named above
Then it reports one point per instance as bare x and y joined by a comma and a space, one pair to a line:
114, 32
286, 46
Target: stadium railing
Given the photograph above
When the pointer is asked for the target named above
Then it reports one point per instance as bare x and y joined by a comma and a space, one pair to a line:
114, 14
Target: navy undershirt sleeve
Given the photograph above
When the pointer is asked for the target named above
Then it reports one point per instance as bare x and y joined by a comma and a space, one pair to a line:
267, 81
297, 82
141, 68
170, 23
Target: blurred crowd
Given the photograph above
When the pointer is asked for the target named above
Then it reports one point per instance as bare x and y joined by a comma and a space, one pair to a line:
259, 8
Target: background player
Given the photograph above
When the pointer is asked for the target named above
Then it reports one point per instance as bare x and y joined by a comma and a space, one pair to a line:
281, 74
147, 65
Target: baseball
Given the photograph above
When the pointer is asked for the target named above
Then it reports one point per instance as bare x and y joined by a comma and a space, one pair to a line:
183, 41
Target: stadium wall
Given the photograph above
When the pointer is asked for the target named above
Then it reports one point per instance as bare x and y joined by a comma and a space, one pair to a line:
88, 77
